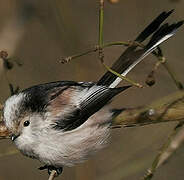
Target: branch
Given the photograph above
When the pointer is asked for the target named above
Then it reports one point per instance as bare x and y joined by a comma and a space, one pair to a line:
167, 109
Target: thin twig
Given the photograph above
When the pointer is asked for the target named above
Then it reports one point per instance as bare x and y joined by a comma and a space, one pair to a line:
162, 60
96, 48
69, 58
101, 21
177, 139
123, 77
52, 175
173, 76
101, 45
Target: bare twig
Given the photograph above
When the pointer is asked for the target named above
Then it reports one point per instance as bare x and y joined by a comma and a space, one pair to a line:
123, 77
163, 61
69, 58
100, 38
173, 76
97, 48
101, 45
176, 139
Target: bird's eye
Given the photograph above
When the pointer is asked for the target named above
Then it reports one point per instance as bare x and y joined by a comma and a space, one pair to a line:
26, 123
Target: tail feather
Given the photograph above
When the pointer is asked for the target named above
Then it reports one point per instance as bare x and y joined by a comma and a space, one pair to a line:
153, 26
164, 32
131, 57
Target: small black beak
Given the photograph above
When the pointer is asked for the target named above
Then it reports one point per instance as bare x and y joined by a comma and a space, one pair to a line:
14, 136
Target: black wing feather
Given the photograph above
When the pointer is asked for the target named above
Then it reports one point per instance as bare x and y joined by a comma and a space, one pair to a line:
153, 26
37, 97
91, 104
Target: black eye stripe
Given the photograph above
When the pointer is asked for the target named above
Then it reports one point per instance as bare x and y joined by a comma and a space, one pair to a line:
26, 123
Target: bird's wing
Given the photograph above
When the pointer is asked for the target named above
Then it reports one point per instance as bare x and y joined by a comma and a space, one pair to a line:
70, 112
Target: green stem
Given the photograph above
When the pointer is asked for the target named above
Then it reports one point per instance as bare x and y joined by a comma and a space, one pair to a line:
96, 48
163, 61
101, 21
123, 77
117, 43
69, 58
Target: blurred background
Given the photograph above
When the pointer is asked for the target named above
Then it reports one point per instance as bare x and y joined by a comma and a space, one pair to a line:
39, 33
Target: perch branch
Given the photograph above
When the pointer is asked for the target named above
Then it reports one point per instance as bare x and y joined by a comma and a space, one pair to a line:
167, 109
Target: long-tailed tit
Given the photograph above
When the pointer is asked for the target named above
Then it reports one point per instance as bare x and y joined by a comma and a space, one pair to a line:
63, 123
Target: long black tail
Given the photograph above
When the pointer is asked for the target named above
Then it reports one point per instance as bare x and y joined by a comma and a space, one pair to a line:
131, 57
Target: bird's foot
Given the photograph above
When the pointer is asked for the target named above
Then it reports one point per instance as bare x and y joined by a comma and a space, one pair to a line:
58, 170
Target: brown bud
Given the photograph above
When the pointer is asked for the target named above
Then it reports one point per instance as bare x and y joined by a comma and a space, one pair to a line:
150, 81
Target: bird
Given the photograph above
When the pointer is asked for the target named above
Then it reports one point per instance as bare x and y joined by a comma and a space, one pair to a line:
63, 123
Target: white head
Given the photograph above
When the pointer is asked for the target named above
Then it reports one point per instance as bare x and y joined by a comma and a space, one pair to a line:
23, 123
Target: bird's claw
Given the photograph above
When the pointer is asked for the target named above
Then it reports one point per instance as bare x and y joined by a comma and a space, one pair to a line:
58, 170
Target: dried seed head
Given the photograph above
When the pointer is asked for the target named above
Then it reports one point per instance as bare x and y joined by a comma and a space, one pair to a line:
3, 54
150, 81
